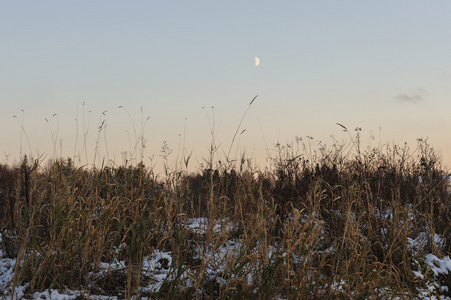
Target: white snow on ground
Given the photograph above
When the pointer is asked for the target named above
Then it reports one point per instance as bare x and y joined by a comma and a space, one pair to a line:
200, 225
438, 266
158, 265
415, 245
432, 267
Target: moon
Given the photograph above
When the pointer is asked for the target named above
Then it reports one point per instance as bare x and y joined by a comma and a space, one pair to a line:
257, 61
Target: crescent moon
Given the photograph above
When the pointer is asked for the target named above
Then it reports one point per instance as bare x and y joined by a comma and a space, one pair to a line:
257, 61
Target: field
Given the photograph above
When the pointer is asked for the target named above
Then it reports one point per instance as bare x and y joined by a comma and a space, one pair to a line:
316, 223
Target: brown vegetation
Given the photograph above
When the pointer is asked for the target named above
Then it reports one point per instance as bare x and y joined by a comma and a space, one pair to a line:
327, 223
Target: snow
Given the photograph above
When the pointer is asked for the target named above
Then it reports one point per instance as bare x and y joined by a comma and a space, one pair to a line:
438, 266
158, 265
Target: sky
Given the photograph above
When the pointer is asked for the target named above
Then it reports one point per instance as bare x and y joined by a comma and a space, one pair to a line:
95, 80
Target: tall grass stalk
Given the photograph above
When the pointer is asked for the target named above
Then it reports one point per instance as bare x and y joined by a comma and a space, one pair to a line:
239, 126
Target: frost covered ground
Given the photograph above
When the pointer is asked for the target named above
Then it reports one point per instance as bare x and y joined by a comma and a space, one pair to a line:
156, 269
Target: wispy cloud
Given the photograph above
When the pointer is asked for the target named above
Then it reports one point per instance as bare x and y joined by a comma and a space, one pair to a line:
416, 96
408, 98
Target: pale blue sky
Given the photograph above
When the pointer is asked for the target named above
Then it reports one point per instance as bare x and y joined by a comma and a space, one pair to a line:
369, 64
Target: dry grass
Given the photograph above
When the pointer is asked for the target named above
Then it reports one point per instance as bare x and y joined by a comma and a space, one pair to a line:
322, 223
